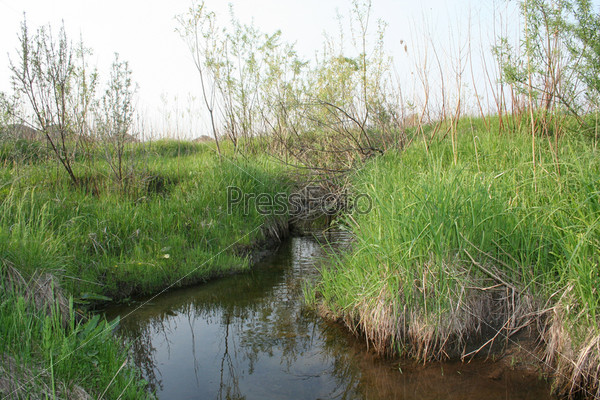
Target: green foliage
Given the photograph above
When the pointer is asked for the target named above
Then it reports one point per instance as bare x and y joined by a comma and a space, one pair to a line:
174, 229
104, 244
556, 63
59, 88
176, 148
114, 120
253, 75
6, 111
46, 358
22, 151
265, 89
53, 78
584, 45
435, 222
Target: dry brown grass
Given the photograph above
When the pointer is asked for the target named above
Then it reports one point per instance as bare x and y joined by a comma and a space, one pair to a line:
15, 380
574, 363
42, 291
19, 381
478, 320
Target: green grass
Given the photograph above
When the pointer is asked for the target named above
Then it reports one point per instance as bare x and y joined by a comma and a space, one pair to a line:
42, 356
13, 151
421, 279
167, 226
172, 229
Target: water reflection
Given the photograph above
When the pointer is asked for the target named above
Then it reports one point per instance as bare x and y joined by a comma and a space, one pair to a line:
249, 337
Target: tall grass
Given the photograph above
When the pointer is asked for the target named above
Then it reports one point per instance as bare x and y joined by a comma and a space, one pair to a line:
174, 229
43, 354
456, 254
170, 227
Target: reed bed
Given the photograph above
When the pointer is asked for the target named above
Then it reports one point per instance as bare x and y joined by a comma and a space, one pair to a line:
466, 246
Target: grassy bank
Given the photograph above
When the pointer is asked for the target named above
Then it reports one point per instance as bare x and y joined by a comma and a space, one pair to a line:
45, 352
173, 228
455, 255
103, 241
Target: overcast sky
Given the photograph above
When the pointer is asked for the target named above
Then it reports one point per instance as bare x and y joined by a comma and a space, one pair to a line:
143, 32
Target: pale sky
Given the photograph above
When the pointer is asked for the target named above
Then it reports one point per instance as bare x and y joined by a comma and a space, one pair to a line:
143, 33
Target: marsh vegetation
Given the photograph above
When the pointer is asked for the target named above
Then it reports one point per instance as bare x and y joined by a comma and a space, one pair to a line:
485, 218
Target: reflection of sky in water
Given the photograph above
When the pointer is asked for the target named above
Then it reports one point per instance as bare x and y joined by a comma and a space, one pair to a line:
248, 336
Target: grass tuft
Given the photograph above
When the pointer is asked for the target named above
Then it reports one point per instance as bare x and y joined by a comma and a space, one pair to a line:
455, 256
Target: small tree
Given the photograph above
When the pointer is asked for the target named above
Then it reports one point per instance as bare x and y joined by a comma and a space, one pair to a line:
325, 118
115, 118
350, 94
84, 92
584, 46
198, 29
557, 64
47, 74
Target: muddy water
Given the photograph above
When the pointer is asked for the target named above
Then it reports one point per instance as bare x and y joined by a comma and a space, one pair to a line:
249, 337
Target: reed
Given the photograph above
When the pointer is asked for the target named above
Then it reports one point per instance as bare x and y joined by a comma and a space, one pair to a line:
464, 246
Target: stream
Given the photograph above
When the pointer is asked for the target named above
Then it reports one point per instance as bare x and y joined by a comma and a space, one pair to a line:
249, 336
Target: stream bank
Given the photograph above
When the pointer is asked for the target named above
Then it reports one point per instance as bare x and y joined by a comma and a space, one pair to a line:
457, 255
251, 336
100, 243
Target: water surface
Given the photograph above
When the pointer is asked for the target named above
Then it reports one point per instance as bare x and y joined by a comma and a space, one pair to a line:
249, 336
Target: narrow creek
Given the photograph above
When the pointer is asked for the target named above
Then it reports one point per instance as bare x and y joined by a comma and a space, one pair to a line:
249, 336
